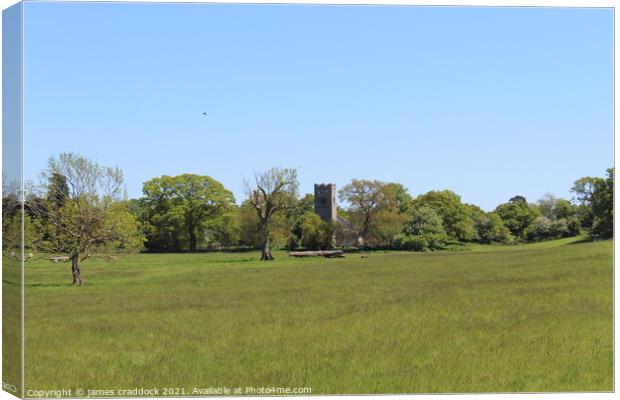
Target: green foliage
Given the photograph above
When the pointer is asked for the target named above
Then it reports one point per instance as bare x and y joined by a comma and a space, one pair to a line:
558, 218
594, 197
424, 220
376, 209
57, 189
583, 190
401, 199
555, 208
517, 215
603, 207
295, 217
316, 234
224, 231
424, 242
423, 231
121, 225
455, 215
386, 227
491, 229
83, 212
180, 210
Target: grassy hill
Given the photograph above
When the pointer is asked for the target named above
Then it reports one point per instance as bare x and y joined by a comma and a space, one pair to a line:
492, 319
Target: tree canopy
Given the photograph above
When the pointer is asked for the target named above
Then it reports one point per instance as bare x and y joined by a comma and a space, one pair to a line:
83, 212
179, 210
274, 190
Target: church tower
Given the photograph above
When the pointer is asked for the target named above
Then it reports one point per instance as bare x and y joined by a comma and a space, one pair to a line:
325, 201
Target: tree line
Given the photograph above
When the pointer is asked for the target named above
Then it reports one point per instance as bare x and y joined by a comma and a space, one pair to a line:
80, 210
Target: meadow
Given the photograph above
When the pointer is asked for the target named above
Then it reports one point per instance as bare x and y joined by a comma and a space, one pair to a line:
523, 318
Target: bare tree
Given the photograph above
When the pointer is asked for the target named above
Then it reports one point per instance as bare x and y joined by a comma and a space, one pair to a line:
274, 190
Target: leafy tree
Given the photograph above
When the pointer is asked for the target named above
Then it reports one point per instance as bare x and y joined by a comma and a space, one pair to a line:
594, 198
560, 220
249, 227
543, 228
423, 231
295, 217
583, 190
539, 229
518, 200
387, 226
316, 234
402, 200
555, 208
564, 209
491, 229
274, 191
517, 215
455, 215
93, 219
181, 209
224, 231
366, 199
424, 220
603, 206
57, 190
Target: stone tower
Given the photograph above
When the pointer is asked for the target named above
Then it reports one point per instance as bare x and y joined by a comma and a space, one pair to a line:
325, 201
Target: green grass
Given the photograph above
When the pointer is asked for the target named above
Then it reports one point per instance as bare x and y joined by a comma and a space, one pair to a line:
492, 319
11, 324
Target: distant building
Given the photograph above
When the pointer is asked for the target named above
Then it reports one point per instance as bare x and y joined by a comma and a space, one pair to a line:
325, 201
325, 206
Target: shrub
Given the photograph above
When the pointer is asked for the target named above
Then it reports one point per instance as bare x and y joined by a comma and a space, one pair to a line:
543, 228
424, 242
491, 229
315, 233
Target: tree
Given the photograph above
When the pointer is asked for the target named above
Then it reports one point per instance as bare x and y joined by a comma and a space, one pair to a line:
424, 220
84, 213
594, 198
366, 199
543, 228
491, 229
517, 215
603, 206
316, 234
402, 200
275, 190
583, 190
560, 220
555, 208
224, 231
455, 215
296, 216
180, 209
57, 189
423, 231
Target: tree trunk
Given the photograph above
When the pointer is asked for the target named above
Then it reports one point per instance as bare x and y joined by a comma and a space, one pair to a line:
193, 241
75, 270
266, 254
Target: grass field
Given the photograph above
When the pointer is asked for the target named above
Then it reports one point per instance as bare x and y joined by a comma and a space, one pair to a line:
490, 319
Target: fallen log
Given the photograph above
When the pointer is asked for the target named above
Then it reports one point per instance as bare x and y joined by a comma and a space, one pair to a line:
320, 253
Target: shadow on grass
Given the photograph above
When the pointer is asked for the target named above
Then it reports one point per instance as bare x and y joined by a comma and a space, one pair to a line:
584, 240
17, 284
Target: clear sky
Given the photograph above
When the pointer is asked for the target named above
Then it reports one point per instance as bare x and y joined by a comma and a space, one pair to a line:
488, 102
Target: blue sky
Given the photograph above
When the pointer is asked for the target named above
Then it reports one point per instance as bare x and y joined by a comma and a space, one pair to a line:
488, 102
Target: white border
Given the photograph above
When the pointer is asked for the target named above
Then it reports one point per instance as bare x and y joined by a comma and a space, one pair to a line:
512, 3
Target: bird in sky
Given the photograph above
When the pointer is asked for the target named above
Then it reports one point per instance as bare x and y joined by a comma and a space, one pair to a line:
204, 113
